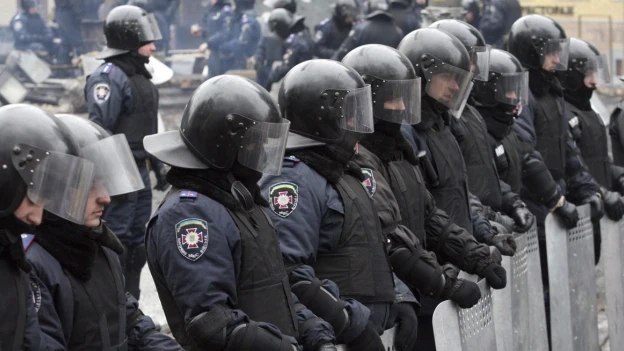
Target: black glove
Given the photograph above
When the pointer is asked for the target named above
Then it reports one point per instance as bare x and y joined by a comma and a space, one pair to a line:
482, 230
614, 205
463, 292
596, 205
505, 243
495, 274
368, 340
568, 214
404, 315
524, 219
326, 347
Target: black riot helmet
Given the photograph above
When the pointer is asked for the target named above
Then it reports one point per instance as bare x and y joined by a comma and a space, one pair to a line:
290, 5
443, 63
147, 5
116, 172
585, 64
343, 9
394, 84
28, 4
324, 100
473, 41
507, 89
228, 119
282, 22
243, 5
375, 7
39, 158
536, 40
128, 28
401, 3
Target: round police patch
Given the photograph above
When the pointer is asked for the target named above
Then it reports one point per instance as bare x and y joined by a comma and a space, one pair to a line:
101, 93
17, 26
369, 183
192, 238
35, 293
283, 198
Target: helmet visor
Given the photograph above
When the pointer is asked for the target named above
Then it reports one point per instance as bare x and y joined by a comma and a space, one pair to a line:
59, 182
511, 88
480, 59
554, 56
352, 108
148, 28
399, 101
263, 146
596, 70
448, 85
116, 171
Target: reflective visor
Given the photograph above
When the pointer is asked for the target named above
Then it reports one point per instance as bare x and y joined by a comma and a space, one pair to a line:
480, 59
554, 55
263, 146
352, 108
449, 85
596, 69
59, 182
148, 28
511, 88
399, 101
116, 171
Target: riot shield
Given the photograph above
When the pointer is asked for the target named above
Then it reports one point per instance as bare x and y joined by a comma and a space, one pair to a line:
538, 334
30, 65
572, 284
465, 329
511, 305
613, 264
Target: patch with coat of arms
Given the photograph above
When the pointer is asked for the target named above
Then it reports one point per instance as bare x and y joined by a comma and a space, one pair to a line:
369, 182
192, 238
283, 198
101, 92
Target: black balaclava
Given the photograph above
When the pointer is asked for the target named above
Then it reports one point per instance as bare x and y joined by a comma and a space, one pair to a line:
580, 98
541, 82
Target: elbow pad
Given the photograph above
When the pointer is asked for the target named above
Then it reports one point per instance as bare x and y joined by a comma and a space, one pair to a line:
250, 337
419, 269
323, 304
208, 329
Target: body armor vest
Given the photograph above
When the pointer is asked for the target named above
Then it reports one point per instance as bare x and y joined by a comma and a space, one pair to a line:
509, 161
142, 118
593, 144
483, 178
550, 133
359, 265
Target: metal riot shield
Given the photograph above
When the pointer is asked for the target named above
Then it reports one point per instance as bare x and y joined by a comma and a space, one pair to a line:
538, 334
613, 264
511, 305
465, 329
30, 65
12, 91
572, 277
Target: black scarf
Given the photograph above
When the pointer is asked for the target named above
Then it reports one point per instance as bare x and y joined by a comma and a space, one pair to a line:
324, 160
75, 246
131, 63
11, 246
433, 114
389, 144
499, 125
580, 98
542, 82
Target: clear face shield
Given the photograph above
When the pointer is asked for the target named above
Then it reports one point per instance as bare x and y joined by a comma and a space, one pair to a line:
148, 28
511, 88
397, 101
263, 145
595, 69
447, 84
480, 59
59, 182
353, 109
554, 54
116, 172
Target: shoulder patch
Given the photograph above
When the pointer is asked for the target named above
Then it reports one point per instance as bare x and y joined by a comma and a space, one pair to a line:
500, 150
283, 198
192, 238
107, 68
573, 121
101, 92
17, 26
188, 194
35, 293
318, 35
27, 240
369, 183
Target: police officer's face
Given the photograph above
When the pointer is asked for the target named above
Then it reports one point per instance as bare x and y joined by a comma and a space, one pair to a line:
29, 212
590, 80
551, 61
147, 50
395, 104
444, 87
98, 200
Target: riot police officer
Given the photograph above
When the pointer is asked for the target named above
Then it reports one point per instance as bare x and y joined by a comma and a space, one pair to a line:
220, 276
39, 168
235, 41
497, 19
77, 281
298, 45
121, 99
331, 32
396, 91
165, 11
68, 15
377, 28
470, 131
404, 15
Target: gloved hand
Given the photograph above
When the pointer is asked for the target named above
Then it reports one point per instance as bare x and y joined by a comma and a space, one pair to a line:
567, 213
463, 292
326, 347
482, 230
614, 205
368, 340
494, 273
161, 177
404, 315
524, 219
596, 205
505, 243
